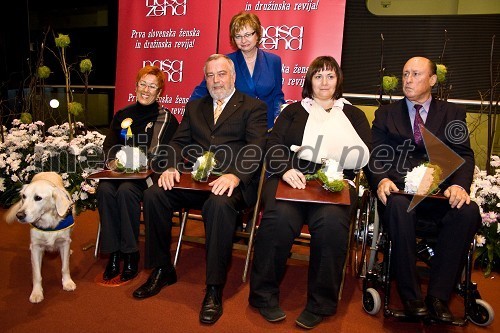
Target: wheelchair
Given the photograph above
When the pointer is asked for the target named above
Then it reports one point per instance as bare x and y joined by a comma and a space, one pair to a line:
372, 263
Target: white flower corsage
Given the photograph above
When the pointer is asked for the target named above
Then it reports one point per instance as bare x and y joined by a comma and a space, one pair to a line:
203, 166
423, 179
330, 176
131, 159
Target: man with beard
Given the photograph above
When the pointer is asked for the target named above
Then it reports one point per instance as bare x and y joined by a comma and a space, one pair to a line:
233, 126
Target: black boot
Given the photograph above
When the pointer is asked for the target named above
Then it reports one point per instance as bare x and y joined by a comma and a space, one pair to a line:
113, 266
159, 278
130, 266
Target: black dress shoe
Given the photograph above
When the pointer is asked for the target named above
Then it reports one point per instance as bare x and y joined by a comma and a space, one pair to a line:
211, 309
130, 266
308, 320
113, 266
438, 309
415, 308
159, 278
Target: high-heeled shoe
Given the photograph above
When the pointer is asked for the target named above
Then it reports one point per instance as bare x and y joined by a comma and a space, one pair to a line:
130, 266
113, 266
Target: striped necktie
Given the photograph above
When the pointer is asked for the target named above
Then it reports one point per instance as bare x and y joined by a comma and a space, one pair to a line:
218, 110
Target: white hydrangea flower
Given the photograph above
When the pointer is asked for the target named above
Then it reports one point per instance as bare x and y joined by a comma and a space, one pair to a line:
131, 158
332, 170
419, 180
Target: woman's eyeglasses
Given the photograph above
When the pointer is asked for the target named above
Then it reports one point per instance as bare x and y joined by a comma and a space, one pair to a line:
246, 36
144, 84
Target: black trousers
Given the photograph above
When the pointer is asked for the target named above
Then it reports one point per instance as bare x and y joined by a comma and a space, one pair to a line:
220, 214
456, 231
281, 223
119, 205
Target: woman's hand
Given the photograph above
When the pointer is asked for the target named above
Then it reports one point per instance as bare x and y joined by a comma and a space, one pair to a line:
295, 179
112, 165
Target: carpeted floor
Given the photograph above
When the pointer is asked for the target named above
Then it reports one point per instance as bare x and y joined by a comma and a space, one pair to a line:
96, 308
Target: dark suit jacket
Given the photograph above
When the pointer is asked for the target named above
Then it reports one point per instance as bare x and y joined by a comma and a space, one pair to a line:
289, 130
265, 83
392, 127
238, 139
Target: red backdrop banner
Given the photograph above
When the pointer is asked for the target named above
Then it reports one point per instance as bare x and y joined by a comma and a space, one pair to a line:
178, 36
296, 30
175, 35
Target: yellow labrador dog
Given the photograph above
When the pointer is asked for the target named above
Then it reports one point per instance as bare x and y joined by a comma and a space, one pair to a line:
47, 206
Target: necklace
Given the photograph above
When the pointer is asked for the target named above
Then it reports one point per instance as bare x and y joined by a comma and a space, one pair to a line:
254, 56
250, 61
329, 109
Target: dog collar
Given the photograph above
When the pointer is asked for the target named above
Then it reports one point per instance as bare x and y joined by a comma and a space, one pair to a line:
68, 222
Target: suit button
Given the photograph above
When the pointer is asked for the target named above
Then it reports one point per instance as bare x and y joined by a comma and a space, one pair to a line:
212, 137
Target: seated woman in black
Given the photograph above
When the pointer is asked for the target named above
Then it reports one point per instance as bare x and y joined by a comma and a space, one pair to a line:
321, 126
119, 201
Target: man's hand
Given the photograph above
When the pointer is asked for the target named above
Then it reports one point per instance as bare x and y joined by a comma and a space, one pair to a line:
457, 196
295, 179
227, 182
384, 189
167, 178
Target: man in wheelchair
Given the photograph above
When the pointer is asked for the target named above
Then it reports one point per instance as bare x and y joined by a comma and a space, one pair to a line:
398, 147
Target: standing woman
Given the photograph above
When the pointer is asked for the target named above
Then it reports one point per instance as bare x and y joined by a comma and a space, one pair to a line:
321, 126
258, 73
119, 201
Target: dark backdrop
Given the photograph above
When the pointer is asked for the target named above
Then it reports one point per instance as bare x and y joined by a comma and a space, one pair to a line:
467, 53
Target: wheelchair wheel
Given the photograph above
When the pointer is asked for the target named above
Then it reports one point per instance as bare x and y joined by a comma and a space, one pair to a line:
361, 235
371, 301
481, 313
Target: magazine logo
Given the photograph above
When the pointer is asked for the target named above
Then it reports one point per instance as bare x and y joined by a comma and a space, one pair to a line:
171, 68
166, 7
288, 37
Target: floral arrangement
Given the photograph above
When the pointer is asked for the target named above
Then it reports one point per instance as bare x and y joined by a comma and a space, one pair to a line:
204, 166
389, 83
423, 179
441, 71
131, 159
28, 149
330, 176
485, 191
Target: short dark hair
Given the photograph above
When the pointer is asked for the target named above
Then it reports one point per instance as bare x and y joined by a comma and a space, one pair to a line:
433, 67
317, 65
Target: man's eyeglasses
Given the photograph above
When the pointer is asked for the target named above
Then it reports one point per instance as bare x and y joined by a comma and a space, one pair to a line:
247, 35
144, 84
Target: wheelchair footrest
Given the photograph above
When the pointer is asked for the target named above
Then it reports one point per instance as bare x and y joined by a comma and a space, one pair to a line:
400, 315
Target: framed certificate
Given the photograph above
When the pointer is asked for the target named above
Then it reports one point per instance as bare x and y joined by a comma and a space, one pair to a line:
314, 192
111, 174
435, 196
188, 183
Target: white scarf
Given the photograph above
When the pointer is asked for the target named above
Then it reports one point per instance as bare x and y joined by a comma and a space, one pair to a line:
330, 135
